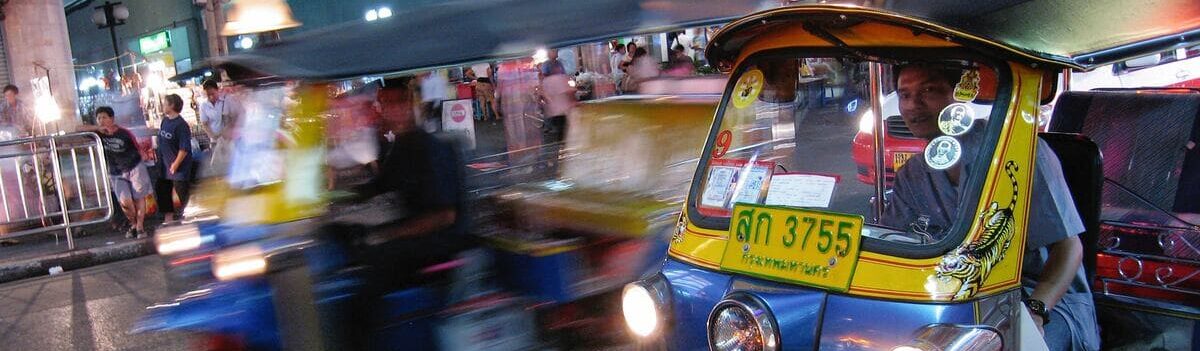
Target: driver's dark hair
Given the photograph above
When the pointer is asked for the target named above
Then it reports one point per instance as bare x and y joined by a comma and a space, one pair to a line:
105, 110
945, 72
210, 84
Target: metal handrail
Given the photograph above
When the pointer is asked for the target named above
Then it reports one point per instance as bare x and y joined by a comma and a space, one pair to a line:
531, 148
99, 177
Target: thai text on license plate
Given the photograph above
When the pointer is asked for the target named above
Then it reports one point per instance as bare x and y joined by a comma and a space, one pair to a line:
794, 245
900, 158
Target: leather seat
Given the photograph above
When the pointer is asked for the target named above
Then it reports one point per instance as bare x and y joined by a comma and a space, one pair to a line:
1082, 168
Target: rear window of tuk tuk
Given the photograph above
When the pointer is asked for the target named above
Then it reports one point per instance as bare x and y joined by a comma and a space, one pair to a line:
974, 185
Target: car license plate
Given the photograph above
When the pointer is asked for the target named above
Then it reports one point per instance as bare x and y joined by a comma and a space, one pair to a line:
793, 245
900, 158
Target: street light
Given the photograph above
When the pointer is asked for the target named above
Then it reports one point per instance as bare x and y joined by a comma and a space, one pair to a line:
110, 15
258, 16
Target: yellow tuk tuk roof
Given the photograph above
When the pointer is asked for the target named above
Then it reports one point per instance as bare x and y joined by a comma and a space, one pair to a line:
1079, 34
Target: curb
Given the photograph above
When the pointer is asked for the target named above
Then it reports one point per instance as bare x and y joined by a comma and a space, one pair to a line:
75, 259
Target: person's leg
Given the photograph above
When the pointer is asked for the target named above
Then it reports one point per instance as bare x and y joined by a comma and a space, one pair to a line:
183, 192
163, 191
139, 205
123, 192
140, 182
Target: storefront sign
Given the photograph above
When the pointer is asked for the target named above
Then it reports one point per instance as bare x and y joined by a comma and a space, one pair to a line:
457, 119
155, 42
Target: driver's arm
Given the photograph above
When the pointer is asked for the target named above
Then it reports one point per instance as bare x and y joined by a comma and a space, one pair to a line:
1061, 266
420, 225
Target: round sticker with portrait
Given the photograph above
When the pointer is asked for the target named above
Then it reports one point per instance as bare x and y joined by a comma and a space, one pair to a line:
746, 91
956, 119
943, 152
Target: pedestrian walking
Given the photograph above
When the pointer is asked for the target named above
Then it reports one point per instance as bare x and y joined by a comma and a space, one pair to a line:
174, 149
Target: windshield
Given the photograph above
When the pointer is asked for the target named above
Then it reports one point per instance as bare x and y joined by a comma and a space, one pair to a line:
798, 132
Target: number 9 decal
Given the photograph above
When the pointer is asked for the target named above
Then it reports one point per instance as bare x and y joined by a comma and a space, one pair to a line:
722, 144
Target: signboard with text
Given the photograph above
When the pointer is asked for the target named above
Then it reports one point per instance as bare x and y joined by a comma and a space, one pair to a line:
457, 119
154, 42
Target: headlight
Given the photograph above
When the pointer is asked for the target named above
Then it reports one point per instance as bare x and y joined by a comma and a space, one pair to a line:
644, 303
175, 239
238, 262
866, 123
742, 323
948, 337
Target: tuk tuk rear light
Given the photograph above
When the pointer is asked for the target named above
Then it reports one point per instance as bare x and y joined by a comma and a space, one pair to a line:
949, 337
743, 323
645, 306
239, 262
177, 239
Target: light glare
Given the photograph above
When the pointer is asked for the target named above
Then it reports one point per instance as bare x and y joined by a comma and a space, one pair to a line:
866, 123
641, 314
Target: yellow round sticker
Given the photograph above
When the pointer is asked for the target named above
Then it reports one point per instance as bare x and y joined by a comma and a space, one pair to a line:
747, 88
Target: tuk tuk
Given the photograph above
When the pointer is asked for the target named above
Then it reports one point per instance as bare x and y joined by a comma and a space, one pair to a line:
901, 265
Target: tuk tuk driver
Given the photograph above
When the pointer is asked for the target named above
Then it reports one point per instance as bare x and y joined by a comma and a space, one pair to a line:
924, 199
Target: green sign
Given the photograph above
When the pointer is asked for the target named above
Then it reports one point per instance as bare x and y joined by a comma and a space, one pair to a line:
155, 42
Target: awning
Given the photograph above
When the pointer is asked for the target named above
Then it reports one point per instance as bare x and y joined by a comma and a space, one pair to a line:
1079, 33
460, 32
1086, 32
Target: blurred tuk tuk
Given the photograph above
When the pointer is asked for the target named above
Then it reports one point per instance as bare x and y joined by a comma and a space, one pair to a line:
778, 247
274, 270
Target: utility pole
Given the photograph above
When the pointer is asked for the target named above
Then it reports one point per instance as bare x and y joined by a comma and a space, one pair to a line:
213, 20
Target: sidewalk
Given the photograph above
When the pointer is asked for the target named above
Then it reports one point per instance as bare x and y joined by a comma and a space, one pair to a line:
36, 254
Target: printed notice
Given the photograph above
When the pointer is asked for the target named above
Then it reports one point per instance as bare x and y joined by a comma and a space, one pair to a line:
731, 181
717, 187
801, 190
750, 191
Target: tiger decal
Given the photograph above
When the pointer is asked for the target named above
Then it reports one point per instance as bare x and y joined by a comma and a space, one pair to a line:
965, 268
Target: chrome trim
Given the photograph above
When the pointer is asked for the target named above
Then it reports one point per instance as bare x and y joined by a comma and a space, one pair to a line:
952, 337
875, 74
762, 318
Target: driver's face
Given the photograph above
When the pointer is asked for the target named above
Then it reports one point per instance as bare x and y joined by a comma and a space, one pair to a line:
211, 94
923, 95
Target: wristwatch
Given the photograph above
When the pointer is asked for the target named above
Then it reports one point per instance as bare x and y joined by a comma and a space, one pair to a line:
1038, 307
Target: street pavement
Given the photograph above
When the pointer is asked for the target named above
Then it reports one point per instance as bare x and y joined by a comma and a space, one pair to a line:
87, 309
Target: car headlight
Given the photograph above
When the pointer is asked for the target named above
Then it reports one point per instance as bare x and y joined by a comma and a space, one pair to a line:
948, 337
644, 304
176, 239
741, 322
239, 262
866, 123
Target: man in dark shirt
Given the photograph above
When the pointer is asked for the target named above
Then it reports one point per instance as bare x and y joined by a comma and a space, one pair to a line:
424, 176
129, 179
175, 154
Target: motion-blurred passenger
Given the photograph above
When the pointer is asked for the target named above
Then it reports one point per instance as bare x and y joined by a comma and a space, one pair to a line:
560, 97
218, 116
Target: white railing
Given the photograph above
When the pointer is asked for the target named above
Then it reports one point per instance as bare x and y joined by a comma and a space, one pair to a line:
52, 183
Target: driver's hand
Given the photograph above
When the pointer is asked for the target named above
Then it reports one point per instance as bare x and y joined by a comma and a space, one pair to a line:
1037, 321
342, 196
